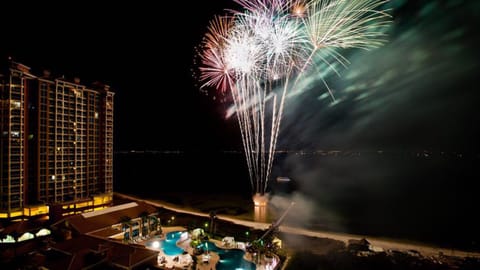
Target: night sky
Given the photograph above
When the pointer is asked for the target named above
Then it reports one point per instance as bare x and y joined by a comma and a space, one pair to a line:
143, 51
418, 90
414, 101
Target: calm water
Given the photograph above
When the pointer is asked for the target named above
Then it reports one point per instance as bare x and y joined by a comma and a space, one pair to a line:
229, 258
428, 197
169, 244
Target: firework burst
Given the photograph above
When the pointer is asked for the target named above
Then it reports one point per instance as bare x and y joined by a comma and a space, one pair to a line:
259, 53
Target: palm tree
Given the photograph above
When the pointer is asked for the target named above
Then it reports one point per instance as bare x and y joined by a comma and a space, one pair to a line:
257, 248
126, 223
213, 216
144, 230
155, 224
271, 247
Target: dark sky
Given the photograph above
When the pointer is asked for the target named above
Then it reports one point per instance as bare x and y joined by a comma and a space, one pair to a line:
426, 97
143, 50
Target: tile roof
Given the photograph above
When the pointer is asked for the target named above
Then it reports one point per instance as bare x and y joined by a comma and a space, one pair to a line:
82, 249
94, 223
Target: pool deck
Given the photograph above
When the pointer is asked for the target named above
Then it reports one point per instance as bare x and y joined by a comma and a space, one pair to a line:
261, 265
210, 265
169, 262
184, 261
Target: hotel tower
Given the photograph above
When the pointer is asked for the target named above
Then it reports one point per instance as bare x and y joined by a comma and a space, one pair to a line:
56, 145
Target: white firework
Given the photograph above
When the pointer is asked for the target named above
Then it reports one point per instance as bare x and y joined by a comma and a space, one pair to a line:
261, 53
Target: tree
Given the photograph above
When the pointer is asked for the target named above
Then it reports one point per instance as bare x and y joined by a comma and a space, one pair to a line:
126, 223
213, 216
256, 248
155, 224
144, 230
271, 247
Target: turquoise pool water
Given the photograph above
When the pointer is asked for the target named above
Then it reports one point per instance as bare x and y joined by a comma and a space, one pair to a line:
230, 259
168, 245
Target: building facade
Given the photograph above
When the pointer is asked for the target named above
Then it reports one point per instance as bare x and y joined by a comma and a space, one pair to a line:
56, 145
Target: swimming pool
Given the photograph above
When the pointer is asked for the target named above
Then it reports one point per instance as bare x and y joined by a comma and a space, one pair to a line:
168, 245
229, 258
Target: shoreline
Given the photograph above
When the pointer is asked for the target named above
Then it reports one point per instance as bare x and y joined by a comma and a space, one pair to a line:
385, 243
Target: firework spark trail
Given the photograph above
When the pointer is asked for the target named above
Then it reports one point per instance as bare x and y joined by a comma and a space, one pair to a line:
215, 72
270, 45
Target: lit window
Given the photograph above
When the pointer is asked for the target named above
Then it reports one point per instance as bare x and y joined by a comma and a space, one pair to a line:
15, 104
96, 115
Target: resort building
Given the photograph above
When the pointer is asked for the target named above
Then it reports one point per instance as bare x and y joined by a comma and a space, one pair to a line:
103, 239
56, 145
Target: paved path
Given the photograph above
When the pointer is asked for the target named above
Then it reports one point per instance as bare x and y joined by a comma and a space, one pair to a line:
375, 241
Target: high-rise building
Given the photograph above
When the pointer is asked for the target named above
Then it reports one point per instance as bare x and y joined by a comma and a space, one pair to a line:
56, 145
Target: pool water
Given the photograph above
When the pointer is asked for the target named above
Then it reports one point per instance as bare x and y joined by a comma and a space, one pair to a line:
168, 245
230, 259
